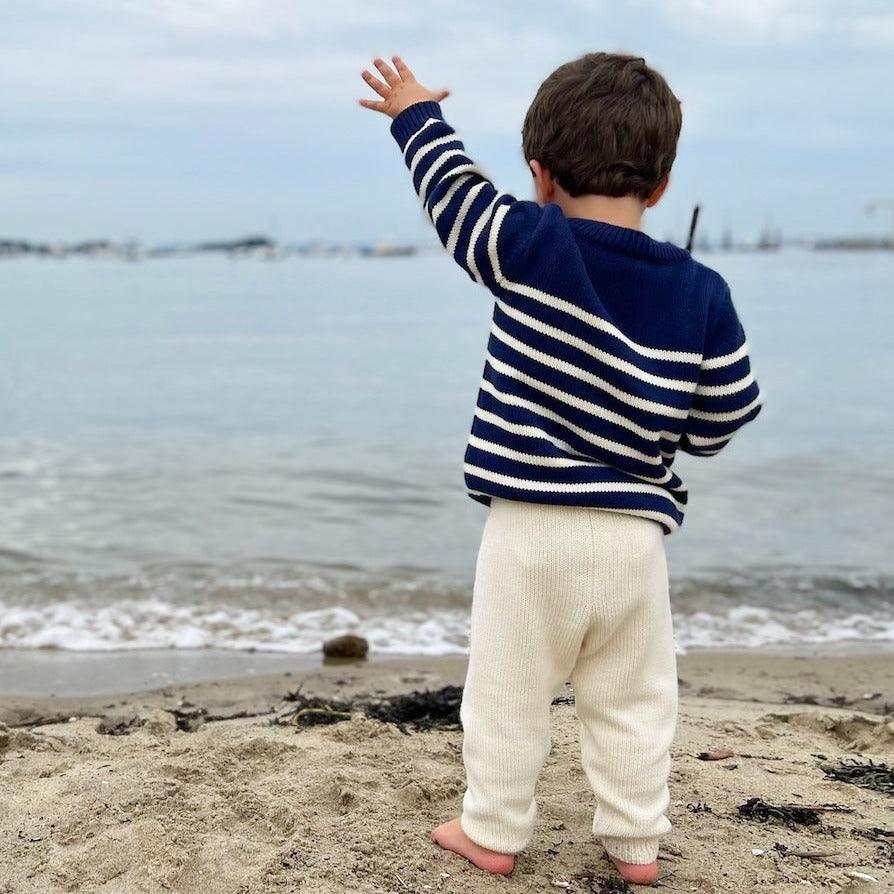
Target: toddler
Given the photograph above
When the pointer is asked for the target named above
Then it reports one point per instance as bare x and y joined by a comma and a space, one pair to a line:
608, 352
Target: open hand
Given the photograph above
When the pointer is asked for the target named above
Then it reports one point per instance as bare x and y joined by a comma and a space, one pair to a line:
399, 90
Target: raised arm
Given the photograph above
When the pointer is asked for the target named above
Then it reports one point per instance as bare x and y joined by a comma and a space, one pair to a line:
483, 229
727, 395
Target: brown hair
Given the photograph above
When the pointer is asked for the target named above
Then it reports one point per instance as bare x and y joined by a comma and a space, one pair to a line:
605, 124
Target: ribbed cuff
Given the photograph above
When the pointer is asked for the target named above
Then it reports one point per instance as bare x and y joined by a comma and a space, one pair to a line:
632, 850
492, 836
407, 122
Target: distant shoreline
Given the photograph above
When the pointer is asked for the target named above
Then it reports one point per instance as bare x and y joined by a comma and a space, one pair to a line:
264, 248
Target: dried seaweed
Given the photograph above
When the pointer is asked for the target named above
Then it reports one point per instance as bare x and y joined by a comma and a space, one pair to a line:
119, 725
421, 710
425, 710
601, 884
189, 717
313, 710
879, 777
790, 815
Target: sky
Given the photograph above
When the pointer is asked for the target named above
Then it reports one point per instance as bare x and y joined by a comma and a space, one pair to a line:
175, 120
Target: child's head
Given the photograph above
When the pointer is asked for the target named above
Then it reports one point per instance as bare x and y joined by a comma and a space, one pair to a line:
604, 124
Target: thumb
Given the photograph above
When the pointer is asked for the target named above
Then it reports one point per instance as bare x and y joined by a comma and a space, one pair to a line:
441, 94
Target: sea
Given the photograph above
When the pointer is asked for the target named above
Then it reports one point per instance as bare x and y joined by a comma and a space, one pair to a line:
206, 453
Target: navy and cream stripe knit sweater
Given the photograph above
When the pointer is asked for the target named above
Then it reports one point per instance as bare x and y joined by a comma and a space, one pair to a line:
608, 350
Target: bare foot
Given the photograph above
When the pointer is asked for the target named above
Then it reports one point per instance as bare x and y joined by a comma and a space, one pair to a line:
451, 837
637, 873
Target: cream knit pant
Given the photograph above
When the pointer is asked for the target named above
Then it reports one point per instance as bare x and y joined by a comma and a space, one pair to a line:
570, 592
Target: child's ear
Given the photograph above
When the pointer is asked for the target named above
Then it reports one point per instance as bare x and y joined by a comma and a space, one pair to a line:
659, 192
544, 185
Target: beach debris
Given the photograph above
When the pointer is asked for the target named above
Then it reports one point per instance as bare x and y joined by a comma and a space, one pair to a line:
189, 717
119, 725
313, 710
861, 876
821, 856
563, 699
347, 646
757, 852
699, 807
874, 833
730, 766
790, 815
601, 884
876, 776
422, 710
721, 754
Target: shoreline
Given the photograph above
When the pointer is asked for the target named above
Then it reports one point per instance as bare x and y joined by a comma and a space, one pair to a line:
256, 682
44, 673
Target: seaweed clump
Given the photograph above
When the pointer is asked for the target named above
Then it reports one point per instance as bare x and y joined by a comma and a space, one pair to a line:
421, 710
879, 777
790, 815
426, 710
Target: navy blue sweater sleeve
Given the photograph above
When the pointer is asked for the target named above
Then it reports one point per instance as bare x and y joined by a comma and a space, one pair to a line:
486, 231
727, 395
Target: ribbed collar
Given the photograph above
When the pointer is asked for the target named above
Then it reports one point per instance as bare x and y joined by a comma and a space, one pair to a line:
627, 240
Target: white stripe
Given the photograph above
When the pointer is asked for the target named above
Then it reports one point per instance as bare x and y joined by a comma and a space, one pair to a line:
598, 323
698, 441
492, 242
438, 209
731, 416
725, 359
532, 431
585, 346
597, 440
721, 390
580, 403
650, 406
435, 167
425, 126
471, 195
472, 169
570, 487
476, 233
558, 462
528, 431
428, 147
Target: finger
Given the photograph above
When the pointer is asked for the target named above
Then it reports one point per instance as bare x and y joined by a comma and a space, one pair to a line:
382, 89
441, 94
375, 104
402, 70
387, 72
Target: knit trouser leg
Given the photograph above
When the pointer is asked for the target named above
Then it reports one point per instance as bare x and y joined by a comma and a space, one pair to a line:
528, 621
625, 685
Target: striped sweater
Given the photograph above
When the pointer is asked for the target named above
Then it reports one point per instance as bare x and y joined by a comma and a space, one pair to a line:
608, 350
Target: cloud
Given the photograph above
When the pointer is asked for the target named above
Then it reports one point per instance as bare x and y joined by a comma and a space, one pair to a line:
144, 89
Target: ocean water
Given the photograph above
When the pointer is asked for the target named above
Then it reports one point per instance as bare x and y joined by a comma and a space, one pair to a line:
245, 455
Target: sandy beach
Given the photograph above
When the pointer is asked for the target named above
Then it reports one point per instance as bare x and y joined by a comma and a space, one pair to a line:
242, 804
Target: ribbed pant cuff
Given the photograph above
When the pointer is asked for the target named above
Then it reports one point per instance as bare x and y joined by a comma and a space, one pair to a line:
492, 836
632, 850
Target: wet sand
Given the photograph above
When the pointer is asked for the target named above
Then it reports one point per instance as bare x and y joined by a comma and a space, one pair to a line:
240, 805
